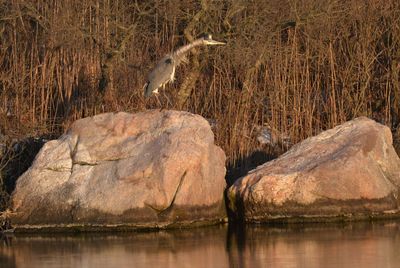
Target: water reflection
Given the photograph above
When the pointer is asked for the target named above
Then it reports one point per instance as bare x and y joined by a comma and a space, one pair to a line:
349, 245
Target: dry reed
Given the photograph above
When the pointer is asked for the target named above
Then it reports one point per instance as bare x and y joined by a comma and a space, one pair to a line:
300, 66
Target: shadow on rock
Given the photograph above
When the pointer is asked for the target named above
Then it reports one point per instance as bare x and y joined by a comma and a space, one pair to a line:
15, 158
245, 164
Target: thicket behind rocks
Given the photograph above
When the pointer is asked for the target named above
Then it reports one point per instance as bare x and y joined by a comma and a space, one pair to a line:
300, 66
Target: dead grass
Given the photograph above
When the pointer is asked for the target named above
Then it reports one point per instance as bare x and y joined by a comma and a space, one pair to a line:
300, 66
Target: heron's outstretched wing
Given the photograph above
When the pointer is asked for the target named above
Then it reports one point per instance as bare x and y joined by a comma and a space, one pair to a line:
159, 76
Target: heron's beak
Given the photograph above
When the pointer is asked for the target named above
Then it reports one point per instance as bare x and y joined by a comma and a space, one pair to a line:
213, 42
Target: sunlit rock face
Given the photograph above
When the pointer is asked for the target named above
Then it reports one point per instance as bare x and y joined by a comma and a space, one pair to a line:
350, 171
150, 169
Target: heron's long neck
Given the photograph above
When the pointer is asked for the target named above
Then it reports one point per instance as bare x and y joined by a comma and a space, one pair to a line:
180, 52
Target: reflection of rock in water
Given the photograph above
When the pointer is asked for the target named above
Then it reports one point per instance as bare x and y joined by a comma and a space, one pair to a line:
7, 254
311, 245
199, 247
315, 245
236, 244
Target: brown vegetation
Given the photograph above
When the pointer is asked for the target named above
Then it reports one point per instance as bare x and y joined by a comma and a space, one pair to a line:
299, 66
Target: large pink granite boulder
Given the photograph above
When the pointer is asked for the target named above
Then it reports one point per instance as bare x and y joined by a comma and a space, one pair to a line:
348, 172
150, 169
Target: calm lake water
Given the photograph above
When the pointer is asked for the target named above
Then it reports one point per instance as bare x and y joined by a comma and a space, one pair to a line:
348, 245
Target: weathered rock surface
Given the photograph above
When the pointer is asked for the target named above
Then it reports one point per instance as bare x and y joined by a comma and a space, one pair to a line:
350, 171
150, 169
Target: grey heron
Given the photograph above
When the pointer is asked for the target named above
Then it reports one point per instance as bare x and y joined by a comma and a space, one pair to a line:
164, 71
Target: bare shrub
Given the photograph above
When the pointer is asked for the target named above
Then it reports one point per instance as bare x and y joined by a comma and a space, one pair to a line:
300, 66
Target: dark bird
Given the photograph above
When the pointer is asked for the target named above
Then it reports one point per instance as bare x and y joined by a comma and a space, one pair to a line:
164, 71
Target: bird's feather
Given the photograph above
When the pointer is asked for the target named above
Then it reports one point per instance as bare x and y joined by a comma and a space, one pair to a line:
160, 75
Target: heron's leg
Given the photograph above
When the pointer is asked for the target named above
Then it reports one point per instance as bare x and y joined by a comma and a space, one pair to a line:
164, 94
168, 100
158, 100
